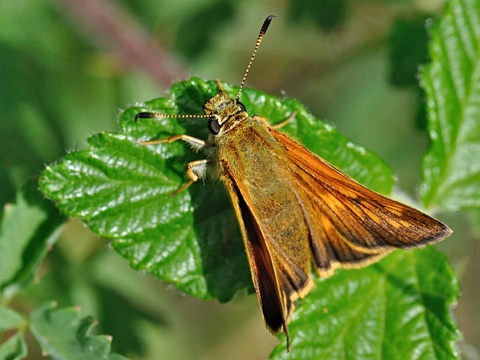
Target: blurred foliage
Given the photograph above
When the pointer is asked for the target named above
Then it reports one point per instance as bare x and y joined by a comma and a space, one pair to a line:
325, 14
63, 79
192, 44
405, 56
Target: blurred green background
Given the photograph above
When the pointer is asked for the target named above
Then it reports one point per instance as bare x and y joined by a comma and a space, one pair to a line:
67, 67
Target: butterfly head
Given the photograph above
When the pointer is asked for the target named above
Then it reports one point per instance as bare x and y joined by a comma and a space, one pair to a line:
223, 112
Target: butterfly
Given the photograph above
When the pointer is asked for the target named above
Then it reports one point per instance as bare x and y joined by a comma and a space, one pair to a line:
294, 209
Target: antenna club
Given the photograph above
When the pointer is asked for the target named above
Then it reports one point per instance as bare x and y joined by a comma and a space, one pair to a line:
266, 23
263, 30
145, 115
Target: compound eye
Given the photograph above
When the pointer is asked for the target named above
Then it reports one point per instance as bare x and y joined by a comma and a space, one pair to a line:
213, 126
241, 106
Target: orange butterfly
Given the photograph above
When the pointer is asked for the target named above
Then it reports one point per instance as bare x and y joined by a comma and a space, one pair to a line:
294, 208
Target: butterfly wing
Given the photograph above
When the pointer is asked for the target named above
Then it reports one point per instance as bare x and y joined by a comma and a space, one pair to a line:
350, 225
271, 222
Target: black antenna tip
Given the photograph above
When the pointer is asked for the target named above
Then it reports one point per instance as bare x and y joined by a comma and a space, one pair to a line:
266, 23
145, 115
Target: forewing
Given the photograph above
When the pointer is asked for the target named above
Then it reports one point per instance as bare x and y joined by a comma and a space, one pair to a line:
278, 281
351, 225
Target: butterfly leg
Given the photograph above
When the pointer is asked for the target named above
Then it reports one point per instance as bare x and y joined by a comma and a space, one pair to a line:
197, 144
219, 85
195, 169
280, 124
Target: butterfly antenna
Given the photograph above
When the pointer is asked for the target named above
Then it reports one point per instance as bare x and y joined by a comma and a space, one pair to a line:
263, 30
150, 115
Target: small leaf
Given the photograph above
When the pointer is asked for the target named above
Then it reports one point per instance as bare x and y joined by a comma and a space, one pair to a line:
63, 334
28, 228
399, 308
122, 190
14, 348
13, 345
10, 319
451, 167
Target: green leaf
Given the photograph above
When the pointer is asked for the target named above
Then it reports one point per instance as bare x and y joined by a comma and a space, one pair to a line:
27, 230
14, 347
63, 334
451, 167
399, 308
9, 319
122, 190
